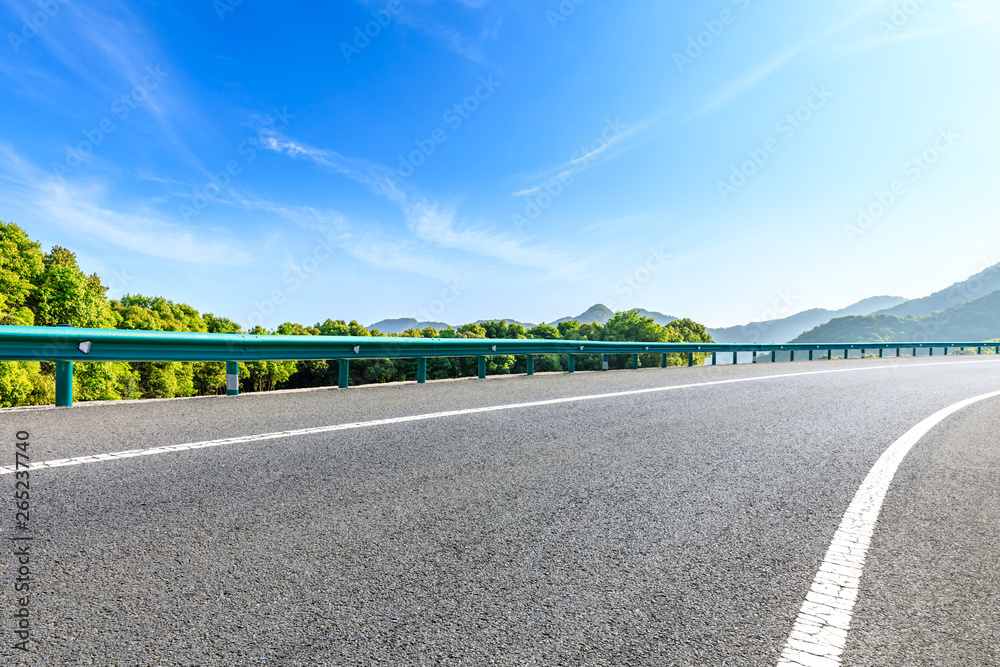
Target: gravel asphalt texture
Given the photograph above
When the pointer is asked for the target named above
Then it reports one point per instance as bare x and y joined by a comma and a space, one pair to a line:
671, 528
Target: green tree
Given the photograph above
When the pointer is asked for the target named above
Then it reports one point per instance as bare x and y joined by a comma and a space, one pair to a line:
471, 331
65, 295
544, 331
21, 266
568, 329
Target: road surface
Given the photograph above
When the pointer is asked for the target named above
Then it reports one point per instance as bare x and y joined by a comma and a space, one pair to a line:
653, 517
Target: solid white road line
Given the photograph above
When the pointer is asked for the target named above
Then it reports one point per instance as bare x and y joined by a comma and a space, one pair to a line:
114, 456
820, 631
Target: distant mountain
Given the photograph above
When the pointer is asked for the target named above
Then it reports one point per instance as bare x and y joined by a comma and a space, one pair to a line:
976, 320
601, 314
659, 318
983, 283
597, 313
785, 329
402, 324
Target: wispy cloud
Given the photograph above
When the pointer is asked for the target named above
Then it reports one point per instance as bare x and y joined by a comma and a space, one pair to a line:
747, 81
84, 211
362, 242
623, 138
764, 70
428, 220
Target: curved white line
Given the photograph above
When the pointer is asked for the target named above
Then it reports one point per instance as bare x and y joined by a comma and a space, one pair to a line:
820, 631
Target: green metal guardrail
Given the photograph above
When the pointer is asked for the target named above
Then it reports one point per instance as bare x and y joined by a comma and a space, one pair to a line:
64, 345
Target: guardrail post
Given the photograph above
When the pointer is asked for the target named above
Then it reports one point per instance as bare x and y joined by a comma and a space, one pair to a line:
735, 357
791, 355
571, 363
773, 356
979, 351
829, 355
946, 350
930, 352
421, 370
663, 361
897, 351
482, 368
604, 362
753, 356
810, 355
530, 363
713, 357
846, 355
914, 352
635, 361
232, 378
880, 351
343, 367
690, 358
64, 384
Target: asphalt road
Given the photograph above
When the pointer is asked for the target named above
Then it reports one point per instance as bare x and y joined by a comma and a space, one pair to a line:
679, 527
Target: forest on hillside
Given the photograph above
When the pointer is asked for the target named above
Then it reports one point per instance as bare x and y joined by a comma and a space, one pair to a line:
47, 289
969, 321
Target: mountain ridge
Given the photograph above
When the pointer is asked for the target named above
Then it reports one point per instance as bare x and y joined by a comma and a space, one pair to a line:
783, 330
981, 284
971, 321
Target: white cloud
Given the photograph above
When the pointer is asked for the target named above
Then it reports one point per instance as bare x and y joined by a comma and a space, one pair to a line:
364, 244
84, 211
427, 220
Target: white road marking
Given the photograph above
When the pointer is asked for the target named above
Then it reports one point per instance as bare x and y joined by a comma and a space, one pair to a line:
820, 632
113, 456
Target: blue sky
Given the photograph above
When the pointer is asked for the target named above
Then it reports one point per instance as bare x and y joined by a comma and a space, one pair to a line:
463, 159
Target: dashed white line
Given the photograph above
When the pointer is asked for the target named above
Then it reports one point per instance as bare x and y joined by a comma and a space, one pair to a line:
820, 631
113, 456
